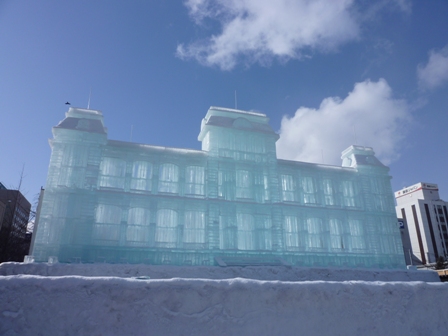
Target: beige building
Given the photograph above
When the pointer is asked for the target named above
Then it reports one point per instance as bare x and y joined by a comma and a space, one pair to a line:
425, 217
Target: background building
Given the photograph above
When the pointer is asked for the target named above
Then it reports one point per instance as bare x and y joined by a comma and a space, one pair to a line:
231, 202
426, 217
14, 214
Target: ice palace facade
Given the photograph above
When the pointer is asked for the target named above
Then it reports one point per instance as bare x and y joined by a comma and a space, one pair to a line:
231, 203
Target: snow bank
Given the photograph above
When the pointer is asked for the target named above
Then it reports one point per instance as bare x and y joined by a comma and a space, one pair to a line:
102, 299
74, 305
282, 273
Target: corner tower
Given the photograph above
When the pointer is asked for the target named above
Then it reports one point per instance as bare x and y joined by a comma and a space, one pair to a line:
71, 182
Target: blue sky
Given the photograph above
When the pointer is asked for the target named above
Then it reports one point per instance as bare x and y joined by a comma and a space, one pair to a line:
328, 74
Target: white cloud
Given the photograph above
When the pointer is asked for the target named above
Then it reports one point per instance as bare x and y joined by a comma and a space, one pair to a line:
404, 5
369, 113
372, 10
262, 29
435, 72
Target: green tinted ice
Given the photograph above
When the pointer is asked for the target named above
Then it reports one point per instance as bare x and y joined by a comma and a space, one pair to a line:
233, 202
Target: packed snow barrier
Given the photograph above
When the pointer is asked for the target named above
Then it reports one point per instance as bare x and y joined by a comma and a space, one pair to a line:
74, 305
266, 273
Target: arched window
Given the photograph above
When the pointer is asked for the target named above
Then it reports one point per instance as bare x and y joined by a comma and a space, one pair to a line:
291, 231
169, 178
315, 233
166, 228
194, 227
194, 180
328, 192
263, 233
107, 222
287, 188
227, 232
348, 193
138, 225
309, 190
74, 159
246, 226
336, 234
141, 176
244, 185
356, 235
112, 173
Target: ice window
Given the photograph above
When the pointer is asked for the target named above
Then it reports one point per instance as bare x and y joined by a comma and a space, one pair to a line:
309, 190
226, 183
141, 176
108, 214
375, 185
328, 191
107, 222
348, 193
380, 202
194, 180
166, 228
387, 226
291, 231
169, 178
315, 233
112, 172
138, 225
194, 227
72, 177
227, 232
246, 227
243, 184
356, 234
336, 234
74, 155
388, 245
74, 159
265, 188
264, 236
287, 188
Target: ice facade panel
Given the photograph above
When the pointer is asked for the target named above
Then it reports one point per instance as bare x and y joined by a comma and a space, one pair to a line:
123, 202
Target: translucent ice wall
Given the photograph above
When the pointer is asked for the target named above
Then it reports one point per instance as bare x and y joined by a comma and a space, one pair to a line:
230, 202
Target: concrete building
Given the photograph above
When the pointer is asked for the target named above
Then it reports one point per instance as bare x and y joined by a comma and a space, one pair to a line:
425, 219
232, 202
14, 213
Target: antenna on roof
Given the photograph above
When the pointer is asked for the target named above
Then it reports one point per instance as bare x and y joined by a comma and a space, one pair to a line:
88, 103
235, 101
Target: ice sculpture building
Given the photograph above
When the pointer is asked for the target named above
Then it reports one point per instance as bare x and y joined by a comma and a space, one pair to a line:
233, 202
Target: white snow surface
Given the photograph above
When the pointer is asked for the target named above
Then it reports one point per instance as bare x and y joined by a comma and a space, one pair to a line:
61, 299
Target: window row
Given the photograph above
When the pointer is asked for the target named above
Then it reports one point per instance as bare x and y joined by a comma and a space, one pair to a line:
239, 184
241, 142
306, 190
242, 231
243, 184
108, 219
113, 175
314, 233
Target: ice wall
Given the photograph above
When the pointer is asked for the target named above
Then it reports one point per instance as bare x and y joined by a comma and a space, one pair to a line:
116, 201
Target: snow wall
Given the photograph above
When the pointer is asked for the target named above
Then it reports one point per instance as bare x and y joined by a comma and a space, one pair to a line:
82, 305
